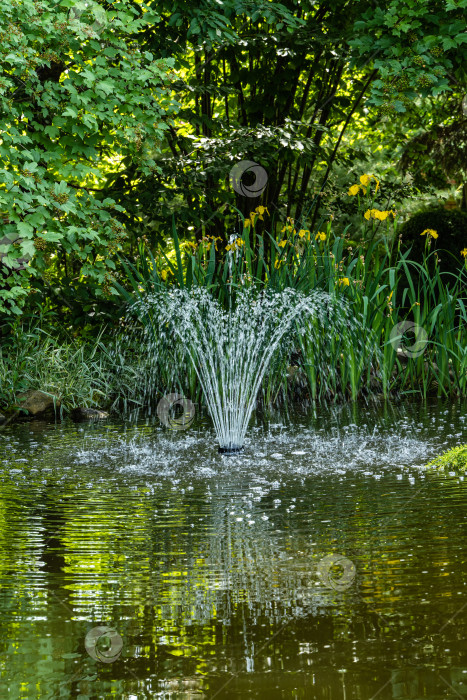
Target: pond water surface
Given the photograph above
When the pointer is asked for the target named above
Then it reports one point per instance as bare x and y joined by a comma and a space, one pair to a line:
324, 562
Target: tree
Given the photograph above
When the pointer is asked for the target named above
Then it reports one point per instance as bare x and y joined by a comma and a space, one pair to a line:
92, 155
78, 98
280, 84
439, 146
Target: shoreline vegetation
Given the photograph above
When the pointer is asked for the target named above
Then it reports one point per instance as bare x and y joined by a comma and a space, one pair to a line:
411, 312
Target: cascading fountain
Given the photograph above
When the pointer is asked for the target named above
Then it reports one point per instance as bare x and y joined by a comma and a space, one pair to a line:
232, 349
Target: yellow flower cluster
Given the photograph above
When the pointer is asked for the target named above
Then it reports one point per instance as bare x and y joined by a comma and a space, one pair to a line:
429, 232
364, 182
289, 227
258, 212
209, 240
345, 281
237, 243
464, 252
377, 214
320, 236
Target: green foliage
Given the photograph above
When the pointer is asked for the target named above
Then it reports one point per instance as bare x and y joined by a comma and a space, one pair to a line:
361, 360
33, 360
452, 460
418, 47
267, 89
451, 227
92, 155
438, 147
284, 85
79, 100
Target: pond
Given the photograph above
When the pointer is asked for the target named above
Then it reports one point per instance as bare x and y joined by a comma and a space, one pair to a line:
323, 562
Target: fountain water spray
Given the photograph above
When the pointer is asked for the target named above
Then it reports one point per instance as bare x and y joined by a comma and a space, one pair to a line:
232, 349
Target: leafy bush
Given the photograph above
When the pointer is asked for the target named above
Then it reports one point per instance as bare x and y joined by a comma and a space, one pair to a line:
88, 97
451, 228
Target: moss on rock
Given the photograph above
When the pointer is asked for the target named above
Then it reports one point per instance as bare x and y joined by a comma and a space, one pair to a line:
452, 460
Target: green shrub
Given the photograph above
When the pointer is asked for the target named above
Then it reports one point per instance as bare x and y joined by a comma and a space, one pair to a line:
451, 227
453, 460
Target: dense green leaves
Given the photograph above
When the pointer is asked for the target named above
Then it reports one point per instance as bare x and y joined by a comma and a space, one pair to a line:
79, 101
418, 46
283, 92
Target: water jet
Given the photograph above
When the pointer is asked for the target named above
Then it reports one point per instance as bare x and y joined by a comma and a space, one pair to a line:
231, 349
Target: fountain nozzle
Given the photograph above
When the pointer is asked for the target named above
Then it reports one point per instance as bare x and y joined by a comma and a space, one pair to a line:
230, 450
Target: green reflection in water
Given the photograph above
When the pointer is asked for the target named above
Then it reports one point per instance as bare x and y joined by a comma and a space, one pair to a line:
207, 569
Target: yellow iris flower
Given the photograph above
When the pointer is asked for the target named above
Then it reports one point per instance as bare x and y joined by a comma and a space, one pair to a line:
364, 182
235, 244
377, 214
429, 232
261, 211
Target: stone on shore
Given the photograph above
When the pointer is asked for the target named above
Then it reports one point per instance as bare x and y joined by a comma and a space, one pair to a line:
81, 414
37, 403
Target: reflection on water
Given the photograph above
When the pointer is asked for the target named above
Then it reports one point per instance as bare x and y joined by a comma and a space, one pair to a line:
136, 563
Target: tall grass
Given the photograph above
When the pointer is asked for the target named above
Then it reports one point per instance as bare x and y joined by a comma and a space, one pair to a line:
382, 286
79, 375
